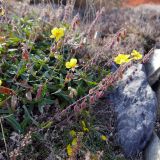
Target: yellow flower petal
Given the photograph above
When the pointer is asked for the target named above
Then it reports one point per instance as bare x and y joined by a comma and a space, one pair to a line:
85, 129
69, 150
84, 126
122, 58
0, 82
74, 142
68, 65
136, 55
103, 137
57, 33
52, 36
2, 12
54, 30
72, 133
73, 62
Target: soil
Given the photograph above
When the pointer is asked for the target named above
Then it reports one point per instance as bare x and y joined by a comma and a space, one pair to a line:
139, 2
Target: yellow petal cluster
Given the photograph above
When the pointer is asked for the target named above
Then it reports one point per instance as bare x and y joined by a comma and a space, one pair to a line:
57, 33
2, 12
136, 55
125, 58
74, 142
122, 58
103, 137
72, 133
71, 147
69, 150
85, 129
72, 63
0, 82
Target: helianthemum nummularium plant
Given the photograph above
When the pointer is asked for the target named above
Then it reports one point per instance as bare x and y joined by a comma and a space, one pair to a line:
72, 64
57, 33
125, 58
136, 55
122, 58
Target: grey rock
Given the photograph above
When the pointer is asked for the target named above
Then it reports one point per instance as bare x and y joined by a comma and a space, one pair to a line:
135, 105
152, 151
153, 66
157, 90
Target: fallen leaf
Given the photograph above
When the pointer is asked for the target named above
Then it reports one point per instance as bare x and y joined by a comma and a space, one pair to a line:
7, 91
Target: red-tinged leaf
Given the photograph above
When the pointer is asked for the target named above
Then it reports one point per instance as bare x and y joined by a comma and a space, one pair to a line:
7, 91
92, 100
76, 108
118, 39
83, 104
39, 92
25, 55
112, 45
99, 94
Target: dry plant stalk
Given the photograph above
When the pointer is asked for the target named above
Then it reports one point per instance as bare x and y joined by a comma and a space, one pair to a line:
3, 135
25, 141
98, 16
76, 21
68, 10
121, 34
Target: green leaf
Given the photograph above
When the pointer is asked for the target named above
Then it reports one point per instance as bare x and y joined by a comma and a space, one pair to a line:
29, 116
3, 111
43, 102
25, 122
61, 81
91, 83
47, 124
14, 123
21, 69
62, 95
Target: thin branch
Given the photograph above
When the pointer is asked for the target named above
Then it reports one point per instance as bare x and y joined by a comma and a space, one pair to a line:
3, 135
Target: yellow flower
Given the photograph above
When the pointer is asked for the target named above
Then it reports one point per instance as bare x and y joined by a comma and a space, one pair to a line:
69, 150
103, 137
136, 55
72, 133
0, 82
74, 142
72, 63
57, 33
122, 58
85, 129
2, 12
